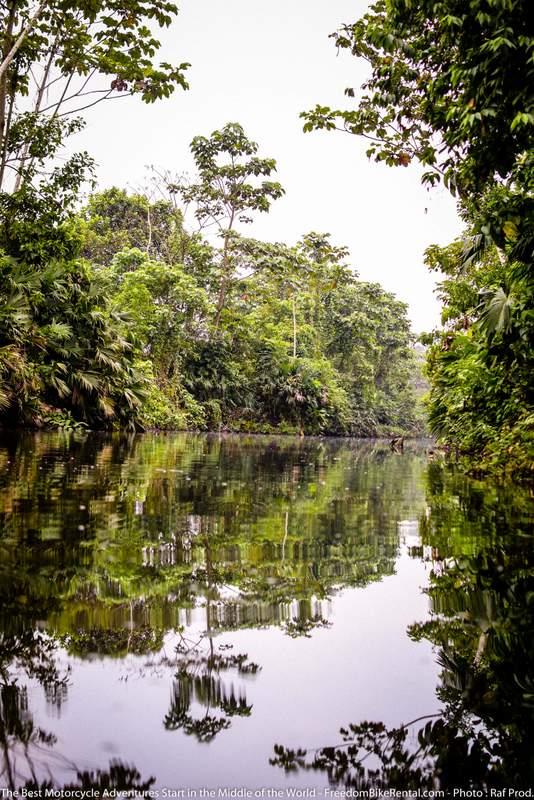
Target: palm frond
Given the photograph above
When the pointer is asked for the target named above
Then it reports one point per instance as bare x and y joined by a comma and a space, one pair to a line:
495, 312
89, 381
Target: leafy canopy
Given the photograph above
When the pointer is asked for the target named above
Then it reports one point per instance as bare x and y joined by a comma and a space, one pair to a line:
227, 165
450, 85
65, 57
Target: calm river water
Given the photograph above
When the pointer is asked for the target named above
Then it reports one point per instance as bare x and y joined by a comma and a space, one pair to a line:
174, 606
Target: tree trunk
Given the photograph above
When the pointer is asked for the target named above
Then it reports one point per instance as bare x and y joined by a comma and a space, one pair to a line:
8, 36
37, 107
225, 276
294, 327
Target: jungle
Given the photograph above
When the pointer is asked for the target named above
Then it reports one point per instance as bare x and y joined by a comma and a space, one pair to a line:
259, 530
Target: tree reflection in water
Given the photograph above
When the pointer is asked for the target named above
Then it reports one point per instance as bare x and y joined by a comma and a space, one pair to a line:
111, 546
482, 622
28, 758
198, 679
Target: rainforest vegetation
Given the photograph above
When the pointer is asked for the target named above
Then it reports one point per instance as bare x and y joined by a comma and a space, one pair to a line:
118, 312
451, 87
136, 569
144, 323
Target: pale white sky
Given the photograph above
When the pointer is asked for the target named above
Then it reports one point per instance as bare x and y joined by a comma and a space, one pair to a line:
261, 63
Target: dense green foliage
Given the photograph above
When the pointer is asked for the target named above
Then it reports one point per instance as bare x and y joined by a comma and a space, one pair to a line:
255, 336
64, 349
481, 364
119, 315
66, 356
451, 85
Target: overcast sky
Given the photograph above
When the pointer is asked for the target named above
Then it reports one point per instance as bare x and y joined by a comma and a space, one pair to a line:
261, 63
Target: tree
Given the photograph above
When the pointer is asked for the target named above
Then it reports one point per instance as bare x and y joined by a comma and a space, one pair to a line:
302, 346
224, 195
68, 358
480, 364
114, 221
167, 311
64, 57
366, 335
325, 271
450, 85
63, 353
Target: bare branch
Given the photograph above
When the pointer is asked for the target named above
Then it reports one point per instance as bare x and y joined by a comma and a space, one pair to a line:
100, 99
72, 97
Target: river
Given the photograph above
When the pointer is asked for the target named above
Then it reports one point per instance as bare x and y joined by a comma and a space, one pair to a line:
174, 606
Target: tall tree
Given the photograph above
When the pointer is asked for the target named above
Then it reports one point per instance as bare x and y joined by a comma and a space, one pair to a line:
451, 85
226, 193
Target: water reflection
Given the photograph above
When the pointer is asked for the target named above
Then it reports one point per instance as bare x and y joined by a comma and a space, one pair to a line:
158, 557
198, 680
28, 755
107, 533
480, 540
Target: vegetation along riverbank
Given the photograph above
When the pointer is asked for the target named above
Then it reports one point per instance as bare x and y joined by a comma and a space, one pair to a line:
116, 312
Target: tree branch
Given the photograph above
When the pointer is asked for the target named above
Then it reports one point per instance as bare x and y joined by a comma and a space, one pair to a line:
100, 99
22, 35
